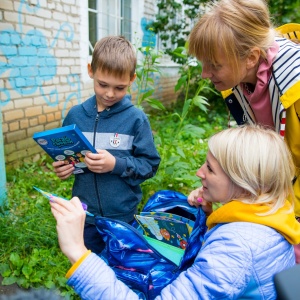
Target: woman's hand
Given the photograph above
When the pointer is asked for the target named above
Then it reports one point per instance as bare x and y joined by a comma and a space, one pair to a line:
70, 218
195, 198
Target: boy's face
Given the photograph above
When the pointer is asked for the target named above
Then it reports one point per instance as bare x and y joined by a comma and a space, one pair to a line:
108, 88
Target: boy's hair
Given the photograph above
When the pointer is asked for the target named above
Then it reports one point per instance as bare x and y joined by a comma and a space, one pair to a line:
233, 27
114, 55
257, 160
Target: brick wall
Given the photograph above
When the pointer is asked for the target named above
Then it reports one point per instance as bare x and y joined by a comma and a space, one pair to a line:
43, 70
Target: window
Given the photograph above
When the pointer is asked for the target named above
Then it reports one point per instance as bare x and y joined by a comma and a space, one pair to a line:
109, 17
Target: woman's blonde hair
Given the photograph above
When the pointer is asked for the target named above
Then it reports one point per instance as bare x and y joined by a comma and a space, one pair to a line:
257, 160
114, 55
233, 27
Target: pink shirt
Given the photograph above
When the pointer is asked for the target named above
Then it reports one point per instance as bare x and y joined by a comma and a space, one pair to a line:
260, 98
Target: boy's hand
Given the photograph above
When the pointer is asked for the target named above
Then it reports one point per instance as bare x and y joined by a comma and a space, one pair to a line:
102, 162
195, 198
62, 170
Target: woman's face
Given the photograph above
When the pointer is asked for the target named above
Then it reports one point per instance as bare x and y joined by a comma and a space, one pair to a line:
222, 75
217, 186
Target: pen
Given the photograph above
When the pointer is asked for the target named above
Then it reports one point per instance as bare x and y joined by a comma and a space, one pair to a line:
50, 197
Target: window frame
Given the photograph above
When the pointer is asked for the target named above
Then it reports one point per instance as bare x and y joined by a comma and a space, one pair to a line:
112, 17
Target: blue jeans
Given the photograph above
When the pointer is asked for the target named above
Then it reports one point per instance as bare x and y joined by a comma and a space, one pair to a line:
92, 239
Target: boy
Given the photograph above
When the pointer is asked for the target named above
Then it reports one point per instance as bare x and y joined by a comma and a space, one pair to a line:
121, 134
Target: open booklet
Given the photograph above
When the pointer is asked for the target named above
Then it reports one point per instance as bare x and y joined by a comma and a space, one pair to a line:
166, 232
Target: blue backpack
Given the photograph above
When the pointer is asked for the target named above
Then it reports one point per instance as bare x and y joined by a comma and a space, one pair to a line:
138, 264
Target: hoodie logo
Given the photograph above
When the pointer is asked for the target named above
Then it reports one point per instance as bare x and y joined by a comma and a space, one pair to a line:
115, 140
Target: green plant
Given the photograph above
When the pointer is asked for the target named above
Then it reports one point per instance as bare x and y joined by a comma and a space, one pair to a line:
174, 18
29, 252
145, 73
285, 11
194, 88
173, 22
183, 154
182, 143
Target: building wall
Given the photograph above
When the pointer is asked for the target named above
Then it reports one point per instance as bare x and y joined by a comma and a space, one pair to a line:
43, 59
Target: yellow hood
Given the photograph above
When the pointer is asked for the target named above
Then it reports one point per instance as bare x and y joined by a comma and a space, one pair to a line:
282, 221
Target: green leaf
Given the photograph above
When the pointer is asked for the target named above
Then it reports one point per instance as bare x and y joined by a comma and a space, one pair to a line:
176, 115
147, 94
62, 281
23, 282
186, 107
49, 284
156, 104
180, 152
5, 270
180, 52
195, 130
27, 271
16, 260
181, 81
36, 278
9, 280
201, 102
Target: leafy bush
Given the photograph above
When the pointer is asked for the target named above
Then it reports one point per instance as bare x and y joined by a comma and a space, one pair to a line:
174, 19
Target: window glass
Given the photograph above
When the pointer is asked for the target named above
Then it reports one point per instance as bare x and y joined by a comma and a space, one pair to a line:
109, 17
92, 24
126, 19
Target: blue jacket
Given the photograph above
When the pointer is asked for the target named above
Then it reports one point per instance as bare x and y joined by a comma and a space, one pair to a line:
124, 131
237, 261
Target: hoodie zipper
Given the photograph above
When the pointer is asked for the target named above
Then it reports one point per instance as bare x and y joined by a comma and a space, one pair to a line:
95, 175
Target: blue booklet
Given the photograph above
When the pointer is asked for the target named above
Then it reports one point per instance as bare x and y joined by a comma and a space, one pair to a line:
66, 143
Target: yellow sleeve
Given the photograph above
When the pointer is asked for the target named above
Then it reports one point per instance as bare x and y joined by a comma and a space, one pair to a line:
77, 264
292, 139
297, 196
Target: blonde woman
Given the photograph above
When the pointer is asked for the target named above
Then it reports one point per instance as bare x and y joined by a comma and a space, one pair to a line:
249, 238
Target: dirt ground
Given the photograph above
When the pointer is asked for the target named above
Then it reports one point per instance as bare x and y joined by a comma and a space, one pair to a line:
8, 289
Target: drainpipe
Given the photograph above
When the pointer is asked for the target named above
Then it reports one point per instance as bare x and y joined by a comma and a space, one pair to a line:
2, 166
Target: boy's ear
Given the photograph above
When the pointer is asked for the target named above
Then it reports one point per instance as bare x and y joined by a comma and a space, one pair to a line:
253, 57
132, 79
90, 71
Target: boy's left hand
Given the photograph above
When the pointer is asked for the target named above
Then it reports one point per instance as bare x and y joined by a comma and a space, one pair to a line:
101, 162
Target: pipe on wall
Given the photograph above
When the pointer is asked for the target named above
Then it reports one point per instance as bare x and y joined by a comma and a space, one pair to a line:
2, 166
